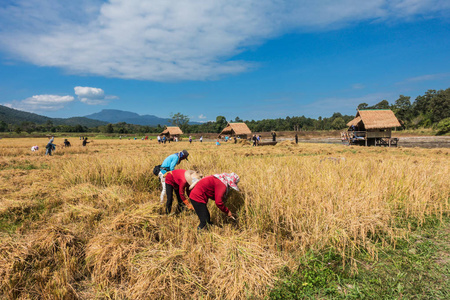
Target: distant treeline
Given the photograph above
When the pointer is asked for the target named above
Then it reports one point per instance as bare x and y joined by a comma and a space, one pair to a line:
429, 110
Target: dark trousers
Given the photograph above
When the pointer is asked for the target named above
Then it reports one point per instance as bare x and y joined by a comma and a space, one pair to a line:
203, 213
169, 192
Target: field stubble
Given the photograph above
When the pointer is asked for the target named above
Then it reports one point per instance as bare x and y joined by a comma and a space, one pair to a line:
86, 222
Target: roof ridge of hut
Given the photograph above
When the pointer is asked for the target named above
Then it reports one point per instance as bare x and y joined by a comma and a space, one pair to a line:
171, 130
374, 109
238, 128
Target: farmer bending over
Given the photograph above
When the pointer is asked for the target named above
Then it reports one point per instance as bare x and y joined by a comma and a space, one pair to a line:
181, 181
169, 165
215, 187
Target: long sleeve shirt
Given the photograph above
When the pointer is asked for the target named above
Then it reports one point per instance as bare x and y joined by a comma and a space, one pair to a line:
210, 188
177, 179
50, 142
169, 163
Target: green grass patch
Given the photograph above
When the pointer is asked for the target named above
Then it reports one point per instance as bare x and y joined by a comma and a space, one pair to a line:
25, 165
417, 268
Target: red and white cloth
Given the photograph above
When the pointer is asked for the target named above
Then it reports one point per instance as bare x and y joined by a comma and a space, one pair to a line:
229, 179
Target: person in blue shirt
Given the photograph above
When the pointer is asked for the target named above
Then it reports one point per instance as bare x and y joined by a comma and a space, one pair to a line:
169, 164
50, 147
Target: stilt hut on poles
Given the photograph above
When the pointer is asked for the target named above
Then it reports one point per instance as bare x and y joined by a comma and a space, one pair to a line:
372, 127
172, 131
240, 130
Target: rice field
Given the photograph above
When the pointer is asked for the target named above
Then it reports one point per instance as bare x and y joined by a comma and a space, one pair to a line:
86, 223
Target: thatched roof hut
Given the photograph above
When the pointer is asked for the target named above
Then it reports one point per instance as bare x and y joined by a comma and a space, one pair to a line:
372, 127
171, 131
374, 119
237, 129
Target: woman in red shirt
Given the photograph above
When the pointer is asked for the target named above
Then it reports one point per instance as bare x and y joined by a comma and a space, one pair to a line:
212, 187
180, 180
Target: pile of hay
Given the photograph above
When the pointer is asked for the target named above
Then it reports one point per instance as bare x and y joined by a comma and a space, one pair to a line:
243, 142
285, 143
45, 265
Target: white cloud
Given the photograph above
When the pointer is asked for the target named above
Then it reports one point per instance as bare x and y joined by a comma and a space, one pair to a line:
201, 117
189, 40
41, 103
91, 95
427, 77
358, 86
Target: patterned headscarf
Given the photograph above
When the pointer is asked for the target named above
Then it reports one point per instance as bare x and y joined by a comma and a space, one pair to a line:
229, 179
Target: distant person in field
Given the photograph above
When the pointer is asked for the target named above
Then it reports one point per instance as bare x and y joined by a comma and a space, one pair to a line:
34, 148
159, 139
235, 139
217, 142
50, 146
254, 139
85, 142
201, 139
274, 136
169, 164
190, 139
164, 139
296, 138
215, 187
180, 181
67, 143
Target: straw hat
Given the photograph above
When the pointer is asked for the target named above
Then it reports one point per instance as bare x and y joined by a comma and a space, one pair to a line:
192, 177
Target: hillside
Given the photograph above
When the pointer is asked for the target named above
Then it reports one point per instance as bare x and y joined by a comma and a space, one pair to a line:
16, 117
79, 120
116, 116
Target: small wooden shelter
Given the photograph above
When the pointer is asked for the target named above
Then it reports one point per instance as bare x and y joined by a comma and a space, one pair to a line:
237, 129
372, 127
172, 131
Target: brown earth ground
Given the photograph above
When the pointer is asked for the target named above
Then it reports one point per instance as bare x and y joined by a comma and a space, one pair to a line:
333, 137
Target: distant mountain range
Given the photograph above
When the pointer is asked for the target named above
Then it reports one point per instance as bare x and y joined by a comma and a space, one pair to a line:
116, 116
16, 117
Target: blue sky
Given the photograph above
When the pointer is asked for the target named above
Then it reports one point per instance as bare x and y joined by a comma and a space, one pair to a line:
254, 59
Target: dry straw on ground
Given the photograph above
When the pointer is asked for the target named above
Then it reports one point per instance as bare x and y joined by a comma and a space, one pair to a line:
86, 223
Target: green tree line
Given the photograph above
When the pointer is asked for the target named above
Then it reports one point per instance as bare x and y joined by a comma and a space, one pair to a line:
429, 110
426, 111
